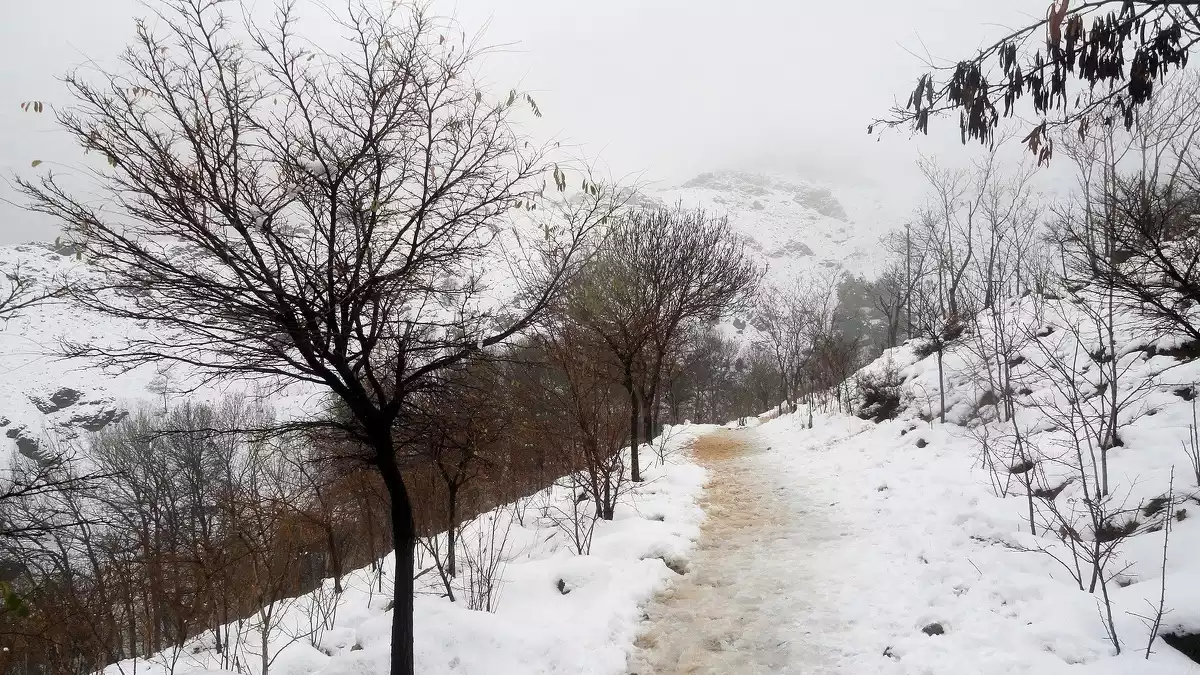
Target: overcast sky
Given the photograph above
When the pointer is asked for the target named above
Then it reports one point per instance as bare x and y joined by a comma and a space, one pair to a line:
662, 88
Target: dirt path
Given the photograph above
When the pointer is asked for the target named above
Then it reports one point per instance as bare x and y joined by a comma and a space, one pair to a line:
752, 600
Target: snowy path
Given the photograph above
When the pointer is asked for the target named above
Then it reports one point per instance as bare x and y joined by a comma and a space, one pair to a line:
831, 550
758, 597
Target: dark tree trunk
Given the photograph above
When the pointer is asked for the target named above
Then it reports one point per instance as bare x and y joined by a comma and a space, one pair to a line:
451, 526
404, 538
335, 558
650, 400
941, 388
673, 402
606, 506
648, 418
635, 471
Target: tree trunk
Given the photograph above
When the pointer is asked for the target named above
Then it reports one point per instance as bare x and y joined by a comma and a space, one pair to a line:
647, 419
264, 638
650, 400
451, 526
908, 280
335, 558
404, 539
783, 382
635, 470
1113, 403
606, 510
941, 389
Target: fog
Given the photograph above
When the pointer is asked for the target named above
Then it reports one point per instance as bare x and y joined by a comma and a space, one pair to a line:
659, 89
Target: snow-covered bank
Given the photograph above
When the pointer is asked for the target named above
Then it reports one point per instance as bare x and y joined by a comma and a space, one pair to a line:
933, 536
918, 539
557, 611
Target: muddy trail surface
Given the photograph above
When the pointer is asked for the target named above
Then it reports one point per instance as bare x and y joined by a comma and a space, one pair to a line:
753, 599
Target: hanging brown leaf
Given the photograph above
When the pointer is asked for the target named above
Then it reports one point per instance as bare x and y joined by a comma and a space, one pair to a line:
1054, 22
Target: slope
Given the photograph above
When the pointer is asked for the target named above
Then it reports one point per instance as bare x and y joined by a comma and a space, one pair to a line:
941, 512
796, 226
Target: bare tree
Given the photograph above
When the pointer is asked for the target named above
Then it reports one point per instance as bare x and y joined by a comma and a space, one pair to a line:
614, 300
659, 270
782, 323
893, 297
703, 273
589, 425
282, 212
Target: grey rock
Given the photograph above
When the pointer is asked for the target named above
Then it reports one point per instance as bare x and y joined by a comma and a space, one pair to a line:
27, 444
62, 398
98, 420
794, 249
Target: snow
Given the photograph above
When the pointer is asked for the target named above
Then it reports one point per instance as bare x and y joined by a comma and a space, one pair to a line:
34, 369
29, 343
822, 550
830, 549
797, 226
535, 628
826, 548
917, 535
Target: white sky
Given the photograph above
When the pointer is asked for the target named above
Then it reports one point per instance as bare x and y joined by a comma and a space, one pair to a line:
661, 88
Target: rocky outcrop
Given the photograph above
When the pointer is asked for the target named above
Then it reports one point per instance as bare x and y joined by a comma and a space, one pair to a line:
69, 413
61, 398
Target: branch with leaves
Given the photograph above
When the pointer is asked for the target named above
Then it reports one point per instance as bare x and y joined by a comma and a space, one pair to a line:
1099, 60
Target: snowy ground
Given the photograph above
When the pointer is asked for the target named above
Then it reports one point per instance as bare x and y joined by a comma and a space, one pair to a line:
829, 550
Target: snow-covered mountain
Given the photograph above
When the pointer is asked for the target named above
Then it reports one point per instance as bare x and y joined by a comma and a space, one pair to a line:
797, 226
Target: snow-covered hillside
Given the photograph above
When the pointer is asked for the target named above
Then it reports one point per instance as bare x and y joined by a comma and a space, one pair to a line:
904, 546
954, 501
45, 394
795, 225
50, 399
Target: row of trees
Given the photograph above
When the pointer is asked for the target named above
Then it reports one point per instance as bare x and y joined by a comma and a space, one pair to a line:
208, 520
368, 221
805, 336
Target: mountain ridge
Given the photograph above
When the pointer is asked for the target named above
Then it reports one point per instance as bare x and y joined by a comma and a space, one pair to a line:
797, 227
